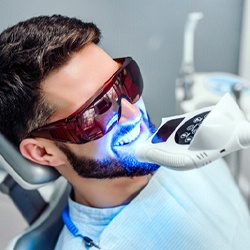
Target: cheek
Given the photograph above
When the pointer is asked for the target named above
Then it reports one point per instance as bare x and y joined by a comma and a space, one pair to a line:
97, 149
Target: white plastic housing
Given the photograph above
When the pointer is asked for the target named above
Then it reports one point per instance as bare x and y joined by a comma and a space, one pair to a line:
222, 131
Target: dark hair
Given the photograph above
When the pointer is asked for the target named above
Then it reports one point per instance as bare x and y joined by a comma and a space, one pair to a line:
30, 51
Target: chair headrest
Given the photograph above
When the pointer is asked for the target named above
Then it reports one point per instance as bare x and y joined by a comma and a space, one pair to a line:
27, 174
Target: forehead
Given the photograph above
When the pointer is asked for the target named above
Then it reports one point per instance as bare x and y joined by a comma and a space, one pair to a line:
73, 84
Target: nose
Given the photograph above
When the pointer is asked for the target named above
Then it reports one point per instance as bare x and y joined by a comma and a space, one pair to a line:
129, 112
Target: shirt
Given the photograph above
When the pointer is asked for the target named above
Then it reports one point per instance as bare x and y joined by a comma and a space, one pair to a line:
195, 209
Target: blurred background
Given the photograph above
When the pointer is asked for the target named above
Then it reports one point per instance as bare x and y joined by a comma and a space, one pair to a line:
151, 31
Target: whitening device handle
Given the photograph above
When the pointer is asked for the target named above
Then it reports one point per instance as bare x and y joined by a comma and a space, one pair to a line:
197, 138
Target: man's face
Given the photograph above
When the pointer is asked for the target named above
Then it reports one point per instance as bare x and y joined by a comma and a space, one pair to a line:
112, 155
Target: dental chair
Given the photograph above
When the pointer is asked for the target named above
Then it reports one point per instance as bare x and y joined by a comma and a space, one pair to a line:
39, 193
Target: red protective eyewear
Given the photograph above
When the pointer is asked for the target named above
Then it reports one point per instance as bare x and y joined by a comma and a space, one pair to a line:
101, 112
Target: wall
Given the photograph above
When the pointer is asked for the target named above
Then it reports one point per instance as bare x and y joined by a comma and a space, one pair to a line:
151, 31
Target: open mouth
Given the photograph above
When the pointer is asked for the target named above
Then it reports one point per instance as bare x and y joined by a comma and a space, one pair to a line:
129, 137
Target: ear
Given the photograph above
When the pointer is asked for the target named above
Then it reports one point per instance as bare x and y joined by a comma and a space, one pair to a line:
42, 152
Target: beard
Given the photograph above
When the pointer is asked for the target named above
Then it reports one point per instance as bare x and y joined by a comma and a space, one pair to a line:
125, 165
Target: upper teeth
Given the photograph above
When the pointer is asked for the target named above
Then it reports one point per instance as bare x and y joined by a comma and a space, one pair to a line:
131, 136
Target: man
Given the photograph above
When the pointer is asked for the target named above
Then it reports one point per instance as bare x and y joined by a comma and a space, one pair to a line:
66, 103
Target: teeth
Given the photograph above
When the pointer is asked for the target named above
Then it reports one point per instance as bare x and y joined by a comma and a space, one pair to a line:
131, 136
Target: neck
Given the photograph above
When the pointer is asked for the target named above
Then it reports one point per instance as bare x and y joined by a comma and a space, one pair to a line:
103, 193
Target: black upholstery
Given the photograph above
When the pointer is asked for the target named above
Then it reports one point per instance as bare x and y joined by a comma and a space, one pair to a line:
43, 234
23, 183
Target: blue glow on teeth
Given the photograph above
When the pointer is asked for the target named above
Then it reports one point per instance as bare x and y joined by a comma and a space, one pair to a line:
129, 137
